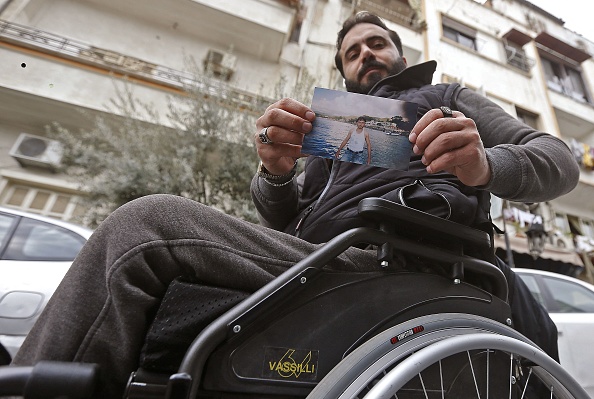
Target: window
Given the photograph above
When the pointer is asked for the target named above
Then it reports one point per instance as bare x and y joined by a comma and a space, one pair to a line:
516, 57
588, 228
16, 197
220, 64
44, 202
6, 222
527, 117
298, 23
532, 285
561, 223
565, 79
39, 241
296, 32
570, 297
514, 41
459, 33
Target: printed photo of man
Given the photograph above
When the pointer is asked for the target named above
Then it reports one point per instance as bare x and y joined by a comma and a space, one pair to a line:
355, 144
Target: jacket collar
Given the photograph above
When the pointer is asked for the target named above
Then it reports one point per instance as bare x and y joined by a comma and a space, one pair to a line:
412, 77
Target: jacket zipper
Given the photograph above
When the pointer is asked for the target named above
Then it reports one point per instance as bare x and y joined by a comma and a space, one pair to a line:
311, 208
305, 215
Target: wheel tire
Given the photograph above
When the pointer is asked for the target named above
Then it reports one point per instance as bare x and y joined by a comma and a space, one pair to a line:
365, 367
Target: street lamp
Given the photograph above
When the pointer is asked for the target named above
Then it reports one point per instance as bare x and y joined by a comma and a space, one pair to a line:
536, 235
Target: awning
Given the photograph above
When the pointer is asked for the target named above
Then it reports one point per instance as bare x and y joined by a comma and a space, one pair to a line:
562, 47
520, 245
515, 36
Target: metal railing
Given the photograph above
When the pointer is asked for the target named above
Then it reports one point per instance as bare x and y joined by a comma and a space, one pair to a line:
112, 61
517, 58
397, 12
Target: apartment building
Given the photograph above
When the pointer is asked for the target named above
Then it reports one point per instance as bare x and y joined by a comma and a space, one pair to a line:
59, 57
524, 59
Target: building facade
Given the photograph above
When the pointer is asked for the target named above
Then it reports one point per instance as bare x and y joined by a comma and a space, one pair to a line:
61, 57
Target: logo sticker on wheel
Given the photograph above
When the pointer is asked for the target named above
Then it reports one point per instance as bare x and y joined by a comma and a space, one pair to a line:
290, 364
406, 334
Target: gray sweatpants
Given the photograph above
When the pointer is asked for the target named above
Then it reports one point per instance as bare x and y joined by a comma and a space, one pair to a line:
100, 312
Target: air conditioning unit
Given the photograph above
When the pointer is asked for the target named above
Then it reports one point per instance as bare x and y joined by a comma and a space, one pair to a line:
220, 64
31, 150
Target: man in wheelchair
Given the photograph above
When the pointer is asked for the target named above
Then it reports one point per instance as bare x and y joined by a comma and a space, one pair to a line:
464, 147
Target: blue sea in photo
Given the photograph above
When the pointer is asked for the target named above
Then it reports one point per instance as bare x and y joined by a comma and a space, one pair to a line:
387, 150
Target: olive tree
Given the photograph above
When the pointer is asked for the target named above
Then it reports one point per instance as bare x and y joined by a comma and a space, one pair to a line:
205, 151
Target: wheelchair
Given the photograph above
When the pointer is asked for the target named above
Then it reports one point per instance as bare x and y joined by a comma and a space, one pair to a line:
317, 333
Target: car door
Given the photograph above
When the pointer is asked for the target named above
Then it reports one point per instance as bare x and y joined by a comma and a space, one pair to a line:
34, 258
572, 310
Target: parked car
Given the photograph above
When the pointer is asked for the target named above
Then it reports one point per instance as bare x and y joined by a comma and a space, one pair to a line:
35, 253
570, 303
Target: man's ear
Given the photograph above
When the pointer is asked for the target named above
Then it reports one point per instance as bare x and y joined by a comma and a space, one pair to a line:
405, 62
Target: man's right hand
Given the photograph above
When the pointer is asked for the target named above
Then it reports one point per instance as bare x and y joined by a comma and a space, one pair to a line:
287, 121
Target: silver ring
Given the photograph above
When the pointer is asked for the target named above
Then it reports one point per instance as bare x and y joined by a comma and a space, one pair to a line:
263, 136
446, 111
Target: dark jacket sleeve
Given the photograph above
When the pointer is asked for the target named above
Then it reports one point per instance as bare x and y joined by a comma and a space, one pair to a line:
276, 206
527, 165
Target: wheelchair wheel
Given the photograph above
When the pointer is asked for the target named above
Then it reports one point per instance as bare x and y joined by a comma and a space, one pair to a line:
448, 356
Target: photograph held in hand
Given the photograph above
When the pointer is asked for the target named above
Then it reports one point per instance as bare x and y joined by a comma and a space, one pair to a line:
361, 129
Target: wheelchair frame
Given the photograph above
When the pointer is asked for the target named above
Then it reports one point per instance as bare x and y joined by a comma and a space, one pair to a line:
232, 322
371, 359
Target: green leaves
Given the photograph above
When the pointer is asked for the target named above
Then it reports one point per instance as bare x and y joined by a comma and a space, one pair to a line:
202, 148
204, 153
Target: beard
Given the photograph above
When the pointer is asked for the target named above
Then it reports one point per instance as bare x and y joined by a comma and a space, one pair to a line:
356, 86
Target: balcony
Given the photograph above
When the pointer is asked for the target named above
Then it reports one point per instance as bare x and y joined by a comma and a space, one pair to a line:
575, 119
253, 27
256, 27
517, 58
397, 11
59, 47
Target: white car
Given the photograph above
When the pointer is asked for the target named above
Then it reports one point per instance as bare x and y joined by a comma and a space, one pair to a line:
35, 253
570, 303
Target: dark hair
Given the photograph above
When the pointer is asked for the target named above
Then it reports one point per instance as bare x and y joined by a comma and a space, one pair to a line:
358, 18
361, 118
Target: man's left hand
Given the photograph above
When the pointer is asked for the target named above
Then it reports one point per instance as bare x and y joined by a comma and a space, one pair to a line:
452, 145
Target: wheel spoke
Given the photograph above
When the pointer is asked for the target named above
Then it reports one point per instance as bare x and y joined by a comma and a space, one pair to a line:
511, 373
527, 381
488, 368
478, 395
441, 381
423, 385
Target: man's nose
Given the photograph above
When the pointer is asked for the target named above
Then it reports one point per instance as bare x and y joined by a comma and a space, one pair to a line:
367, 53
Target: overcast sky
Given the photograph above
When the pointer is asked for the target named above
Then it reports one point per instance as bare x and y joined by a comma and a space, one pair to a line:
339, 103
577, 14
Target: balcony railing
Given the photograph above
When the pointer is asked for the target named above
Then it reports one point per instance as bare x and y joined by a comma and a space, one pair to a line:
50, 43
397, 11
517, 58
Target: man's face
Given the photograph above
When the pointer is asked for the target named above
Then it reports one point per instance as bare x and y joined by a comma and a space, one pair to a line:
368, 55
360, 124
